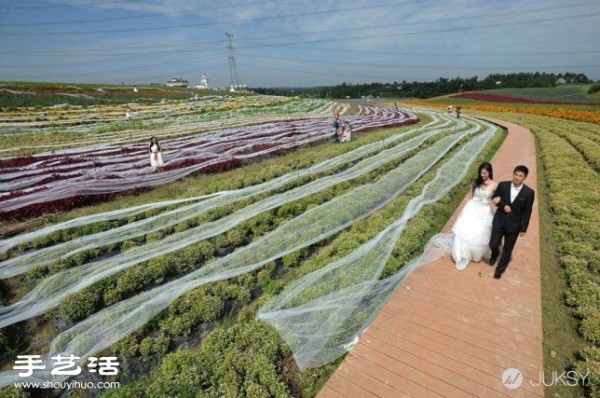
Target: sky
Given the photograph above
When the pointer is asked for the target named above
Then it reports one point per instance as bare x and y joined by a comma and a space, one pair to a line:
294, 43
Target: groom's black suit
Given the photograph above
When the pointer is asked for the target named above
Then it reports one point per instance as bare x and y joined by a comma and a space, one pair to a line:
509, 225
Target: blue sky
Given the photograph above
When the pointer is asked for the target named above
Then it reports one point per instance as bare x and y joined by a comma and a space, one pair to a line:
294, 42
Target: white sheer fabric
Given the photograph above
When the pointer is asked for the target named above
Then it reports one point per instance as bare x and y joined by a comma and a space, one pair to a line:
355, 279
323, 314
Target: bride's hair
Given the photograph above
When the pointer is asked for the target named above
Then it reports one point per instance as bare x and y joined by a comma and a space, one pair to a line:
479, 181
152, 143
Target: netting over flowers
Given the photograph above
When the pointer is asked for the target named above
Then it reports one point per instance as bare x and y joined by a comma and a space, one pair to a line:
101, 330
322, 314
110, 168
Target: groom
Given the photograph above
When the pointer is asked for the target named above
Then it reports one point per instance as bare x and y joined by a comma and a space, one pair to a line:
515, 202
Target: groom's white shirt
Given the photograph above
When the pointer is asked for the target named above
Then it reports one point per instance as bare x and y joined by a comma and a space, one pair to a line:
514, 191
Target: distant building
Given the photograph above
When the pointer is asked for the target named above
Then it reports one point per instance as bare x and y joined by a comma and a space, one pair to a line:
241, 88
203, 83
177, 82
561, 80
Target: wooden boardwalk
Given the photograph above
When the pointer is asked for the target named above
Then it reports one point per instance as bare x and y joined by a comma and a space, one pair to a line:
450, 333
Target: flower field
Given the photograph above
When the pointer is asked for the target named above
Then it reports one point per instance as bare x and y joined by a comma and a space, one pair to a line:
59, 127
15, 94
562, 112
51, 181
569, 93
168, 286
493, 97
569, 153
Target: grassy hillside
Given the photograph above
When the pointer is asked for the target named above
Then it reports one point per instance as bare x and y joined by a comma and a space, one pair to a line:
15, 94
565, 93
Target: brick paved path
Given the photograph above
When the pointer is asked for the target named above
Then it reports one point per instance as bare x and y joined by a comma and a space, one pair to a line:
450, 333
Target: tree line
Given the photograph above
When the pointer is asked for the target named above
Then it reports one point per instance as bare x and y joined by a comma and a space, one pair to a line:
441, 86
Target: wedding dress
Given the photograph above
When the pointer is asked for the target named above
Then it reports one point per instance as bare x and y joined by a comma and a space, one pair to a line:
472, 230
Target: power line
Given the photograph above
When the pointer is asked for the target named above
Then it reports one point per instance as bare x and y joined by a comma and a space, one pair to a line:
59, 5
148, 15
106, 54
438, 20
312, 72
205, 57
420, 32
399, 66
463, 28
453, 54
296, 43
185, 49
105, 72
302, 14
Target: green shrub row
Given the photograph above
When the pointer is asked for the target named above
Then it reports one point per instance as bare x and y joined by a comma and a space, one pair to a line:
589, 149
576, 208
245, 360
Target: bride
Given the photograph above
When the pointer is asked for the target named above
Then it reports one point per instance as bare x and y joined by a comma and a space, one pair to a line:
473, 228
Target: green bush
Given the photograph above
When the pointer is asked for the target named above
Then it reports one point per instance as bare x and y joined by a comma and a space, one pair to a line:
154, 345
247, 280
154, 236
128, 245
36, 273
190, 310
13, 392
294, 259
79, 305
590, 361
133, 280
584, 293
570, 169
251, 361
263, 277
594, 89
128, 347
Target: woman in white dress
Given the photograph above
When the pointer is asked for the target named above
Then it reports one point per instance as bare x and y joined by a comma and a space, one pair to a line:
472, 230
346, 134
156, 157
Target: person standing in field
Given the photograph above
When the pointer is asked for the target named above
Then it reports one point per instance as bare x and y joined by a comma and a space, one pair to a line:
449, 109
128, 114
346, 133
156, 156
336, 124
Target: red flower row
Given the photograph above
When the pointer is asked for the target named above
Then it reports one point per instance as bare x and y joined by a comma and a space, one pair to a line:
516, 100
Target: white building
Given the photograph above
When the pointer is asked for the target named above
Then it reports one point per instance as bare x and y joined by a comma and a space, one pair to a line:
203, 83
242, 88
177, 82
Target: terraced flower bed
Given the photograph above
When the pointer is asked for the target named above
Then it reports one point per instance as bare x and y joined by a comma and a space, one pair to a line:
41, 183
487, 97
